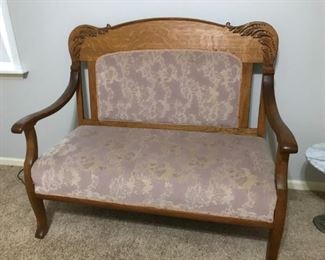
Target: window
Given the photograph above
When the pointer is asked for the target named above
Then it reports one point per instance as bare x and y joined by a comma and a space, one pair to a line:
9, 59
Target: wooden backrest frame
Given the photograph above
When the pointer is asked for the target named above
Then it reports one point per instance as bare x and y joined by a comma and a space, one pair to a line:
255, 42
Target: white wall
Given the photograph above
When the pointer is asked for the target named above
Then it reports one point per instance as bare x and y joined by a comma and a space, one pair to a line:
42, 29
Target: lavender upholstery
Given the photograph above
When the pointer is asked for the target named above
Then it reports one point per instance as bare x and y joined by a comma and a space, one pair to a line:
210, 173
169, 86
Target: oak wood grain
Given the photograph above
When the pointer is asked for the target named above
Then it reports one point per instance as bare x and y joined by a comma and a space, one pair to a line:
254, 42
245, 95
199, 128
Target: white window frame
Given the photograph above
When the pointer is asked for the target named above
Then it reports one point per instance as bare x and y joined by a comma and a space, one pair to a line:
13, 66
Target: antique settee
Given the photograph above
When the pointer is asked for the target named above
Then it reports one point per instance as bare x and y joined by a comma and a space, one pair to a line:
163, 111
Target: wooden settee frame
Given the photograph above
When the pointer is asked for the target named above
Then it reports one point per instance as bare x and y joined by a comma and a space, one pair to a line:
254, 42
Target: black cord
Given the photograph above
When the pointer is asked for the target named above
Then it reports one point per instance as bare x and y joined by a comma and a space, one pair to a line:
19, 177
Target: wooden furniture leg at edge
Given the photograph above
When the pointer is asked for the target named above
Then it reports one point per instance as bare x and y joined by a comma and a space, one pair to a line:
275, 234
37, 204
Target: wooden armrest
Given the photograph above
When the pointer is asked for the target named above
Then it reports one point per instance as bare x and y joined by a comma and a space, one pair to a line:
29, 121
286, 140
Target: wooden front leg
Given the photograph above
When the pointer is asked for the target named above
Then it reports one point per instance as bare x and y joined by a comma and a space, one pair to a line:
37, 204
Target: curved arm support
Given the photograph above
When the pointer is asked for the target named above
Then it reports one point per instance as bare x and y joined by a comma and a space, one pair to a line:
29, 121
281, 171
31, 149
286, 140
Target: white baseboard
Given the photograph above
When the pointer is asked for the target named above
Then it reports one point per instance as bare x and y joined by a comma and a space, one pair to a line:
306, 185
11, 161
292, 184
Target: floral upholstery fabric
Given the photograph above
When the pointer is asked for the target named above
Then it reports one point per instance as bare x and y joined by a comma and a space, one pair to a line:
208, 173
169, 86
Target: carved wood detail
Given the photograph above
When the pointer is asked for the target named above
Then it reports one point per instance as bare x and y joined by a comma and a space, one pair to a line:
77, 38
266, 36
263, 32
254, 42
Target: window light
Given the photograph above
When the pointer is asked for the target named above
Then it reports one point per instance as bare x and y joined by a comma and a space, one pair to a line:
9, 59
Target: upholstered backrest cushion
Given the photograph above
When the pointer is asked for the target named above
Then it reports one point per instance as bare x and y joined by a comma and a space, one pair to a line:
189, 87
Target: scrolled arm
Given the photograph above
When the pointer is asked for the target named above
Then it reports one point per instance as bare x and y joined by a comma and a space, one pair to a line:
29, 121
286, 140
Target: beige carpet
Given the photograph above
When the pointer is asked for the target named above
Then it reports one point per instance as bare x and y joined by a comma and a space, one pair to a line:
80, 232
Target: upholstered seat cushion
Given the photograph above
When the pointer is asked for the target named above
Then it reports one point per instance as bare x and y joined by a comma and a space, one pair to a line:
207, 173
